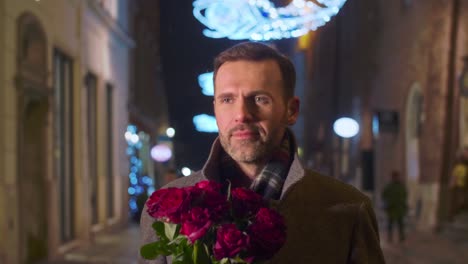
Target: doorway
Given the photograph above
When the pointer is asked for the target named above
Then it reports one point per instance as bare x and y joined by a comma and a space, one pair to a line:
32, 127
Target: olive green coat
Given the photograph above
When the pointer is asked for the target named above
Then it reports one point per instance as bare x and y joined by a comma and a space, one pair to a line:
327, 221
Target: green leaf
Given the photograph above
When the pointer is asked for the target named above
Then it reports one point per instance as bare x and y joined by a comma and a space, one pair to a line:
178, 240
159, 227
239, 260
182, 259
206, 250
224, 261
171, 230
195, 252
183, 253
200, 253
151, 250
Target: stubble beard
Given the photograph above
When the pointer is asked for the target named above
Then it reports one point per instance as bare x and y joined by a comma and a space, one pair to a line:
247, 151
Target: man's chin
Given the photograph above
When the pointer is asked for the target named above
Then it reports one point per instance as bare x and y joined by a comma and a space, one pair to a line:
245, 159
251, 156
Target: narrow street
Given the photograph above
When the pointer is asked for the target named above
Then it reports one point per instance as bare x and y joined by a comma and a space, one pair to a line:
117, 248
450, 246
426, 248
419, 248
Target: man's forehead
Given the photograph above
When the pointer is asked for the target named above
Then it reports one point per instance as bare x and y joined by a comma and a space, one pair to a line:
267, 70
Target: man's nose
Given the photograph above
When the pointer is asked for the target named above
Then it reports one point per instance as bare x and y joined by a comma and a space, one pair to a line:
244, 112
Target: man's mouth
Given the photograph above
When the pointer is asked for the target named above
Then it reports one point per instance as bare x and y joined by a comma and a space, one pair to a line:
245, 134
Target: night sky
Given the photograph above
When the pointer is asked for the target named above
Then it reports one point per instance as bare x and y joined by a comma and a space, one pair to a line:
186, 53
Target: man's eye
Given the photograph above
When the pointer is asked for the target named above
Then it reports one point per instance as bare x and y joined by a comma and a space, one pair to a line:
262, 99
226, 100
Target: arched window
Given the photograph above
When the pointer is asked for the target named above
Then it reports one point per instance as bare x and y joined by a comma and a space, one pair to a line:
414, 119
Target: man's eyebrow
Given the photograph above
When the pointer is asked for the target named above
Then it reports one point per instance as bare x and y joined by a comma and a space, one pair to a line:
250, 94
259, 92
225, 94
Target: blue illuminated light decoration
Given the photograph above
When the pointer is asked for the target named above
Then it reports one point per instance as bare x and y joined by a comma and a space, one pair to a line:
139, 184
260, 20
205, 123
375, 126
346, 127
205, 81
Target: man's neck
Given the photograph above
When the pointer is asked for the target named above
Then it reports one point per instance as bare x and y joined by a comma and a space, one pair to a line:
251, 170
248, 173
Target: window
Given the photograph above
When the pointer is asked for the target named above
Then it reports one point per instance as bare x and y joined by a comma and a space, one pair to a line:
63, 134
91, 86
109, 147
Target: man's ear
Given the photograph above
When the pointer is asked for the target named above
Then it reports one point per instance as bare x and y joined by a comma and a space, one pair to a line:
293, 110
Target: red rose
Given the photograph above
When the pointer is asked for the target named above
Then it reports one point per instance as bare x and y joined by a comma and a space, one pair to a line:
229, 242
207, 194
209, 186
167, 204
217, 204
267, 234
245, 202
195, 223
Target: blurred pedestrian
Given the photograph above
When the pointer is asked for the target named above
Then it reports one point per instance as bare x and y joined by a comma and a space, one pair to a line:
395, 201
459, 183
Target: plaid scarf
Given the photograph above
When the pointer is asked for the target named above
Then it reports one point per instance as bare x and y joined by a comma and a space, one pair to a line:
269, 182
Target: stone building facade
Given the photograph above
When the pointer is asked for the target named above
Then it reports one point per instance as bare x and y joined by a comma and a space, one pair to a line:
64, 80
393, 66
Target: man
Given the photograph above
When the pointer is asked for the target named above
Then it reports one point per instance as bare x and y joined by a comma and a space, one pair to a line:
254, 103
395, 196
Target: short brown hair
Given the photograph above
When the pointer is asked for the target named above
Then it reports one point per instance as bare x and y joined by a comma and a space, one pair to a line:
254, 51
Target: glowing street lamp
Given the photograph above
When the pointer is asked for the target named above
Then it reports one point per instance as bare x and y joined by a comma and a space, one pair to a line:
161, 153
186, 171
170, 132
346, 127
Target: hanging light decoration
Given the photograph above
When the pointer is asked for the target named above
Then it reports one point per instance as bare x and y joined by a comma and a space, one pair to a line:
139, 183
205, 123
260, 20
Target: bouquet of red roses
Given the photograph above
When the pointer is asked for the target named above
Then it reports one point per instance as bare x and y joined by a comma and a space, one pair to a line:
201, 224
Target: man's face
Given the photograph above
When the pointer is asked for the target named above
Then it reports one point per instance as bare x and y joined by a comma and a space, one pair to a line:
251, 111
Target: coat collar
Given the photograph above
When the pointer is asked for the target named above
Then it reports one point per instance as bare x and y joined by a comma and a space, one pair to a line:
211, 168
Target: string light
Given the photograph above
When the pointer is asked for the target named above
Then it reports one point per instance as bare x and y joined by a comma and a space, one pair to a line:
260, 20
205, 81
138, 183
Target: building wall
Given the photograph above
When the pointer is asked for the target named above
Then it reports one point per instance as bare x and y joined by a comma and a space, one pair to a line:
414, 49
3, 201
111, 65
462, 50
367, 60
95, 41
